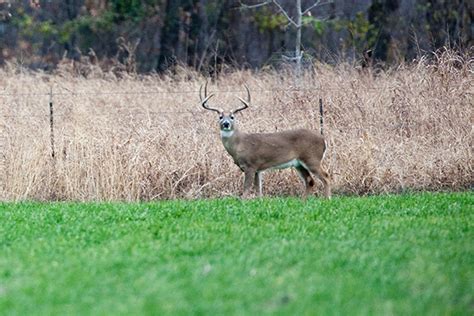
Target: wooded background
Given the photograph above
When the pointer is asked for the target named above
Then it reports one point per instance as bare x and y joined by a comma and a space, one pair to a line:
210, 35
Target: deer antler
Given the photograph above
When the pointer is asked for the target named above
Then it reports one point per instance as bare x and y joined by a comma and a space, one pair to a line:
246, 103
206, 98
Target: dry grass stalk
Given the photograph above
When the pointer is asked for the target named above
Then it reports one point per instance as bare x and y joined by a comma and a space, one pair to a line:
407, 128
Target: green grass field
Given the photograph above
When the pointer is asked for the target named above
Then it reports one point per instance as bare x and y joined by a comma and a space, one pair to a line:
410, 254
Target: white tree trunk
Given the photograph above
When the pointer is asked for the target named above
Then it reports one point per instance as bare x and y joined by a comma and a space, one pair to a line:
299, 24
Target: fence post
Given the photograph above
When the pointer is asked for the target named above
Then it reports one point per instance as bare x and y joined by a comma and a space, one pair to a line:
51, 121
321, 115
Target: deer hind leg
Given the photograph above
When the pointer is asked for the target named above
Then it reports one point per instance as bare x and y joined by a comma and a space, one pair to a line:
315, 168
307, 179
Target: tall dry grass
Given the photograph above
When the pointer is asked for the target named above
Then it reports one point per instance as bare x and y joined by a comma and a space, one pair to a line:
142, 138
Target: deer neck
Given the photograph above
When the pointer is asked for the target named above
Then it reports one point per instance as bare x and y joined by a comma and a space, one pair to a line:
230, 139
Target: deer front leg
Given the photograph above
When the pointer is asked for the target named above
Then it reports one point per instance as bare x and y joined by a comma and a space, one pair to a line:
248, 181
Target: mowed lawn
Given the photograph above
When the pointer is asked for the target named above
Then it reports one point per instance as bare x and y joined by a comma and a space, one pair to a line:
401, 255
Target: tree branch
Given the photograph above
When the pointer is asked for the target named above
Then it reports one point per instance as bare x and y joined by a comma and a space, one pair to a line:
287, 16
275, 2
253, 6
314, 5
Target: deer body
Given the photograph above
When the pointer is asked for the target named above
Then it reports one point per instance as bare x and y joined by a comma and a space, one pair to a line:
256, 152
267, 150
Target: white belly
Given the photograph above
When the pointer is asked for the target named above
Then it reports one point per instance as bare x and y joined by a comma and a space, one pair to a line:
289, 164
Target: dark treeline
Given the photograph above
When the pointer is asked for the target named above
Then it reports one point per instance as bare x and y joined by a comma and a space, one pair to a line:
155, 35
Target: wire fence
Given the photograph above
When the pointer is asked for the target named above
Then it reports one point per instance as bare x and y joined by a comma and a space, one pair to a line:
55, 98
52, 112
52, 98
174, 92
145, 92
54, 95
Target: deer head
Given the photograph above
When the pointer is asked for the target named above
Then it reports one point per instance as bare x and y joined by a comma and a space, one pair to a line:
227, 121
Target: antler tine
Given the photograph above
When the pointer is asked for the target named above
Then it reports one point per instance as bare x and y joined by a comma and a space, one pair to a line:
206, 98
205, 91
246, 103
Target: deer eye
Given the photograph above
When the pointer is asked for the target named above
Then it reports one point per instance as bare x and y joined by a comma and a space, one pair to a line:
232, 117
221, 117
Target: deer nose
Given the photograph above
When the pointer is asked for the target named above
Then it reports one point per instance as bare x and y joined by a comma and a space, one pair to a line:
226, 124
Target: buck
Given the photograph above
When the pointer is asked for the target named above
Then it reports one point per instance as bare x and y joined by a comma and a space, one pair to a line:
256, 152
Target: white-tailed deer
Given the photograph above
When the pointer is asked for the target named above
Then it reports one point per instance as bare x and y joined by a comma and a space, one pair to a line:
254, 153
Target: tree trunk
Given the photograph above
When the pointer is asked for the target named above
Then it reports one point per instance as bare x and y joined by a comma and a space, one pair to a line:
299, 25
171, 31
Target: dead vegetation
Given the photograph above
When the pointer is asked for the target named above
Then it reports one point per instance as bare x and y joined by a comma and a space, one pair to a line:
144, 138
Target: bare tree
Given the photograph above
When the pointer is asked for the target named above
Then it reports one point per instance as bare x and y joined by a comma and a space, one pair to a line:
297, 22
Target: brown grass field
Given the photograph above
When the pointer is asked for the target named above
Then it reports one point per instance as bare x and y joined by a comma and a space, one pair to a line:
145, 137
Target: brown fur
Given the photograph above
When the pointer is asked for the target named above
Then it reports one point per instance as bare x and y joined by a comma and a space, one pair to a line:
254, 153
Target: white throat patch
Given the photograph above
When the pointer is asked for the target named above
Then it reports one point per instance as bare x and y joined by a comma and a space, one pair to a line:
227, 134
